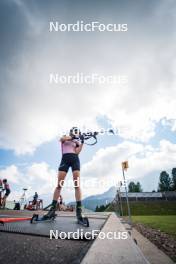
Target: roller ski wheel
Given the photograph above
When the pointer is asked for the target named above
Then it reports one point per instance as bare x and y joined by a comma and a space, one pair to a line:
35, 218
83, 221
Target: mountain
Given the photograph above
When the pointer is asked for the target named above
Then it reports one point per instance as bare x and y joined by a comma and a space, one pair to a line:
89, 202
100, 199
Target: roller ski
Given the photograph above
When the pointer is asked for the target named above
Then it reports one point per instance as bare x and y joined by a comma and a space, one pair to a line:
81, 220
50, 216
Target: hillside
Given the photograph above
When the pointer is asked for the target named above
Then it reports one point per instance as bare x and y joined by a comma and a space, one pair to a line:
91, 202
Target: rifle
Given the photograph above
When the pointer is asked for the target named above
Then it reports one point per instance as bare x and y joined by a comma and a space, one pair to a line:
91, 135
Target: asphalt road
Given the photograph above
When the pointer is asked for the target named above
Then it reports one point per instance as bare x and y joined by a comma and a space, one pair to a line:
23, 248
20, 249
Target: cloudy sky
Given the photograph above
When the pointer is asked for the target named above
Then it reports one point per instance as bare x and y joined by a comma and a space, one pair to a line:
34, 112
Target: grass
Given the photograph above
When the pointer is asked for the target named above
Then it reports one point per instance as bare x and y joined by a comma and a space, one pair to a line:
147, 208
164, 223
160, 215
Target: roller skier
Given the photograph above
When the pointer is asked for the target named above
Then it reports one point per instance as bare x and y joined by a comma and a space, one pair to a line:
71, 147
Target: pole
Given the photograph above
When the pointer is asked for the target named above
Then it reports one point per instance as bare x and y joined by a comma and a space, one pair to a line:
23, 199
128, 206
0, 198
1, 190
120, 200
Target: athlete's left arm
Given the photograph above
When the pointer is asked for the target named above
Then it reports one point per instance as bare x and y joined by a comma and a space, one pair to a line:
79, 148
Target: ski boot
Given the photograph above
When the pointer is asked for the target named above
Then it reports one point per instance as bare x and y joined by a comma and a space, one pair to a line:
50, 216
81, 219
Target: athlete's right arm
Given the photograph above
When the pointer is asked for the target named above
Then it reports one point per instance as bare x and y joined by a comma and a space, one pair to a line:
65, 138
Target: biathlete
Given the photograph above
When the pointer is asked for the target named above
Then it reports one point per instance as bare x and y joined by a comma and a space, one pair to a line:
35, 197
6, 188
71, 147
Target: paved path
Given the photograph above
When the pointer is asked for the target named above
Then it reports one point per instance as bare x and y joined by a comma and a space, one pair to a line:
29, 249
114, 251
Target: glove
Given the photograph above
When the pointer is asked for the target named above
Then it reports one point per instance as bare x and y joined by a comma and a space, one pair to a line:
82, 139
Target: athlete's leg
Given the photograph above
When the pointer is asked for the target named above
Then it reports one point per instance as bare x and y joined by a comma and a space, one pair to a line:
62, 172
76, 180
4, 201
61, 179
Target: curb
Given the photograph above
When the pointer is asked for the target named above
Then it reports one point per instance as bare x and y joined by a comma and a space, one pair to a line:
114, 251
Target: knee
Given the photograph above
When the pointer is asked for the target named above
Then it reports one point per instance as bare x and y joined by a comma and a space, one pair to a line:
59, 187
60, 184
76, 184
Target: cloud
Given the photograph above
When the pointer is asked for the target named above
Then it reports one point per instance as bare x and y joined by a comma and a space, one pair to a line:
99, 174
11, 173
105, 166
36, 177
33, 112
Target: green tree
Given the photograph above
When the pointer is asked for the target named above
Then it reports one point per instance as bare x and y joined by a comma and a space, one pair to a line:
134, 187
164, 182
138, 187
97, 209
131, 187
174, 179
102, 208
